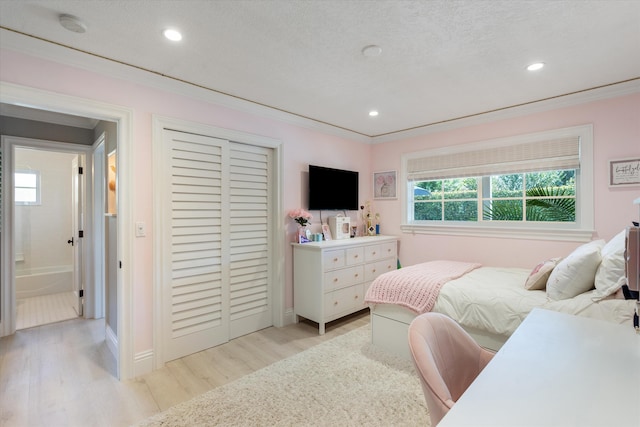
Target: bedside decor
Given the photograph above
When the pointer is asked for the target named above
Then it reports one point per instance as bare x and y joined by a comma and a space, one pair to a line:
384, 185
624, 172
371, 221
303, 218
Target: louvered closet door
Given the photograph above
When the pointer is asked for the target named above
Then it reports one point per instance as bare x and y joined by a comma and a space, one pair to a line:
249, 263
195, 289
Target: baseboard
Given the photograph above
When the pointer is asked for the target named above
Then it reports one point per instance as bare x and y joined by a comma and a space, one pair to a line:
112, 341
143, 363
288, 317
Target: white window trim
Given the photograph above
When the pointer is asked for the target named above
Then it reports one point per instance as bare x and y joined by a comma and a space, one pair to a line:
580, 231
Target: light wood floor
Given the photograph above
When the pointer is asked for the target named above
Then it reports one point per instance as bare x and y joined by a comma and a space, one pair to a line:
62, 374
40, 310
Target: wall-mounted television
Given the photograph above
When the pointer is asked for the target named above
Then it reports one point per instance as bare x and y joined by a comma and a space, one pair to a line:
332, 189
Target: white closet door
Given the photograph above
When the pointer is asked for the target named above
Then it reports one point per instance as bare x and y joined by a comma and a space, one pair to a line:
195, 294
250, 262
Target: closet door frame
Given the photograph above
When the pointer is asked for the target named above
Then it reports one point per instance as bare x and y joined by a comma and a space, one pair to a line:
277, 238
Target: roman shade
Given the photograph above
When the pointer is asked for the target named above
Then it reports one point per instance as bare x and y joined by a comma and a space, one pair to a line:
553, 154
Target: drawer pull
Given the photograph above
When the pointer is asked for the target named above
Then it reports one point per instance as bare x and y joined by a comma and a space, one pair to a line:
355, 256
335, 280
335, 259
335, 303
374, 252
355, 297
356, 275
374, 270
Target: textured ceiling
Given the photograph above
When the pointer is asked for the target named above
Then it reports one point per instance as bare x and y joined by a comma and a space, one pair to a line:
440, 60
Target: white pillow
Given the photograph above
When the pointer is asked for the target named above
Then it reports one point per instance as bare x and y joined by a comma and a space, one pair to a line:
611, 268
576, 273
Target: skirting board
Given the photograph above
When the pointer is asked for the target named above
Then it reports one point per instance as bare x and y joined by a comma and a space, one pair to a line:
143, 363
112, 341
289, 317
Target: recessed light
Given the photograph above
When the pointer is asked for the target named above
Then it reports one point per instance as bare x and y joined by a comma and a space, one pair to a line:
72, 23
373, 113
371, 50
535, 66
172, 34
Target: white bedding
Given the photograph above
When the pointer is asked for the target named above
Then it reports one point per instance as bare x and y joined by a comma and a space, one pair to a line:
494, 299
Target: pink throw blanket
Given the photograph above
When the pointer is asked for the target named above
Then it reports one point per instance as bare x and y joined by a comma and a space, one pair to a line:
416, 287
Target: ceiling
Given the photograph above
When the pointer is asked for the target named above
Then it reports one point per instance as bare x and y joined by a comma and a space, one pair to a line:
440, 60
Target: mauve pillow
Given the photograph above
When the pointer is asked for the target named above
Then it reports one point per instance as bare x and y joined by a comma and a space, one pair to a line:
537, 279
576, 273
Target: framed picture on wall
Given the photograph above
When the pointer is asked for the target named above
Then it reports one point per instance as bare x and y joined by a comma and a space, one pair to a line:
624, 172
384, 185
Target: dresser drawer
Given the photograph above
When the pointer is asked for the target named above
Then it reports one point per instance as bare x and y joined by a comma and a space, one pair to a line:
372, 253
343, 277
334, 259
355, 256
374, 269
389, 250
344, 300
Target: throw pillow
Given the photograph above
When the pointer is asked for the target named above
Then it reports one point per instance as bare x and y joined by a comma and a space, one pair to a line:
611, 268
576, 273
537, 279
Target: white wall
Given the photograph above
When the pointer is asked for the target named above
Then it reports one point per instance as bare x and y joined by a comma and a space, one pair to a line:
42, 231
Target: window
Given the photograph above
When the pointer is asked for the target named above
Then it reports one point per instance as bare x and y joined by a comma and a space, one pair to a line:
529, 186
528, 197
27, 187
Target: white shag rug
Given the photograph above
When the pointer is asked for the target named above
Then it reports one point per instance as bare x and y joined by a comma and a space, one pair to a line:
341, 382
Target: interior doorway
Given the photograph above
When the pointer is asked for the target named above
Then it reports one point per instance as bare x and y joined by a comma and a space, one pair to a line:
121, 119
48, 254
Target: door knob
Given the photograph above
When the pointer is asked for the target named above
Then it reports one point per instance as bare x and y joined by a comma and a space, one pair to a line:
70, 241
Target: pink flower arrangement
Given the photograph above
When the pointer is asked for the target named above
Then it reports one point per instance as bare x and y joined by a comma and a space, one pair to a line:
300, 216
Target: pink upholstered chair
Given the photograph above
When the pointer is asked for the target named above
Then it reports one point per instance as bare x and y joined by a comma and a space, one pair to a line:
447, 360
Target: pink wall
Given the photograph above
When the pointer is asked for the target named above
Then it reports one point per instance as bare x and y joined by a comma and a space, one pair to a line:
616, 124
616, 127
300, 147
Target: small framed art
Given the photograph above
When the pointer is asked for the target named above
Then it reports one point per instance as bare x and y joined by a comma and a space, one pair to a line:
624, 172
326, 231
384, 185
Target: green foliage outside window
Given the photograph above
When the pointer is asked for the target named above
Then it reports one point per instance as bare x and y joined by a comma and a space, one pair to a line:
548, 196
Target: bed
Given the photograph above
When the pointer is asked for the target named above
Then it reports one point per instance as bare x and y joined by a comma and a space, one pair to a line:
491, 302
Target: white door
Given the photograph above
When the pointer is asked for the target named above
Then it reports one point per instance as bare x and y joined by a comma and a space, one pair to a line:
249, 218
195, 300
217, 267
77, 212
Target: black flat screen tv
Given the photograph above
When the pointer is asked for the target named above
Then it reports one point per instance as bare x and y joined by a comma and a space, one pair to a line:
332, 189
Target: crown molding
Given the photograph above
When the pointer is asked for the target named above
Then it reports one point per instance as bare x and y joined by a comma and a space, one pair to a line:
52, 51
65, 55
604, 92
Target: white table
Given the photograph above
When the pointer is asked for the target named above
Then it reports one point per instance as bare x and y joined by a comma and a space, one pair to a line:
557, 370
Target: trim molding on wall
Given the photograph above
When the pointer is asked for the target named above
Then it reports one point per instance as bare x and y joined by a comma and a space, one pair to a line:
68, 56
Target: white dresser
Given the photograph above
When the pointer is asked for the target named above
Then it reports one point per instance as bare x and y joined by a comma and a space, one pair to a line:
330, 278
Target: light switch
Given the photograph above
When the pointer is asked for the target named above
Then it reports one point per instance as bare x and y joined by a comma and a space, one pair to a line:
141, 230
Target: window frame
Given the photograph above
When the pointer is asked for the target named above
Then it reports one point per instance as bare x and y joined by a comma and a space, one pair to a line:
38, 187
581, 230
